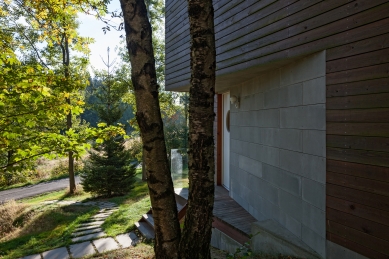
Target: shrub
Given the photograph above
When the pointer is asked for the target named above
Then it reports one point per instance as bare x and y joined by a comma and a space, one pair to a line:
108, 171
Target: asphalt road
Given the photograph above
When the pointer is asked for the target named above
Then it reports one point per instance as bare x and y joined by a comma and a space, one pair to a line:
32, 190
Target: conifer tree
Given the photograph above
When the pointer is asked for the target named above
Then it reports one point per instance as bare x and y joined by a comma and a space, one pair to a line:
108, 170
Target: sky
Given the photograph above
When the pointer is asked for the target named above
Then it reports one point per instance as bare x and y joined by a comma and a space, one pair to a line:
91, 27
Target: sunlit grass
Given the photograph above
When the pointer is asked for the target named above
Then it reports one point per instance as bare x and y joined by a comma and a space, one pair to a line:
47, 227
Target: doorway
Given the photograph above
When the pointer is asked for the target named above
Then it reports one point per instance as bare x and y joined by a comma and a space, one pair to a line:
226, 141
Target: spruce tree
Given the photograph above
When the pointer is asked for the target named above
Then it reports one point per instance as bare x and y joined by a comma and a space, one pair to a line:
108, 171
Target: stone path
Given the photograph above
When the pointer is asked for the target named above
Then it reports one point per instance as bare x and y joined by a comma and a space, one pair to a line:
91, 233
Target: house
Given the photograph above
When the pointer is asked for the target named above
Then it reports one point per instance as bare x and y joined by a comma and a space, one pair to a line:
302, 115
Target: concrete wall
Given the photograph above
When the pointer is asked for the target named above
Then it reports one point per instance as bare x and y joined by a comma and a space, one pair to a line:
278, 148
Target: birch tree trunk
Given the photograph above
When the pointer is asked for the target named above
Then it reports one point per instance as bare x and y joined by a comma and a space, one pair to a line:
148, 115
197, 233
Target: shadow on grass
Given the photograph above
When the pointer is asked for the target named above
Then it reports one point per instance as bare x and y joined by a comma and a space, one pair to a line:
49, 229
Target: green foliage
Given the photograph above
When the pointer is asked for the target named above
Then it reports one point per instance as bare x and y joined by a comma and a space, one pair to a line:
36, 86
108, 172
241, 252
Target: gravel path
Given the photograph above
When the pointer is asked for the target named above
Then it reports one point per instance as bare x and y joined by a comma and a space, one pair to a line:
32, 190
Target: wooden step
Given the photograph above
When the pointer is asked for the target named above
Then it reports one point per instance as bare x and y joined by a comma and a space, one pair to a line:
148, 218
145, 229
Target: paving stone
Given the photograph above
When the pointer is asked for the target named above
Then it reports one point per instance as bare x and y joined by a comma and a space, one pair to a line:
124, 240
82, 249
59, 253
86, 232
38, 256
92, 223
88, 237
105, 244
106, 215
81, 228
90, 203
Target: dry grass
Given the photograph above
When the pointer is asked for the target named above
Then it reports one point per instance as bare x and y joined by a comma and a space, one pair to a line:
9, 212
79, 191
141, 251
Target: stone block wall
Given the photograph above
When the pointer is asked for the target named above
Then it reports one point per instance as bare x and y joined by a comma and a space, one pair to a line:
277, 155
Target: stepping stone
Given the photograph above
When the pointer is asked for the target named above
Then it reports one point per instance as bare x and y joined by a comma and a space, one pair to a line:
88, 237
59, 253
86, 232
82, 249
93, 223
32, 257
105, 244
85, 228
106, 215
126, 240
49, 202
89, 203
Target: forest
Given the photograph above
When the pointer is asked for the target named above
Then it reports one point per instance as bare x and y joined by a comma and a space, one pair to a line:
48, 99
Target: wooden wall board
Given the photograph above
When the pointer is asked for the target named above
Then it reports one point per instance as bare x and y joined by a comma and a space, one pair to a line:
373, 86
242, 20
275, 22
380, 56
358, 33
377, 201
359, 74
365, 101
378, 173
277, 44
240, 12
369, 227
359, 237
358, 129
358, 142
363, 250
358, 183
374, 115
358, 47
359, 156
358, 210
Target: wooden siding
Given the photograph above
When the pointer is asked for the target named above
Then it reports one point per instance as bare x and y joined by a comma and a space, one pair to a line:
355, 34
253, 33
358, 140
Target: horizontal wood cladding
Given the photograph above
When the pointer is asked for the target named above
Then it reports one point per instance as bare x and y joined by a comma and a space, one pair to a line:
373, 86
354, 246
259, 32
359, 156
366, 226
358, 142
378, 173
369, 100
359, 183
358, 129
357, 104
359, 210
380, 202
379, 246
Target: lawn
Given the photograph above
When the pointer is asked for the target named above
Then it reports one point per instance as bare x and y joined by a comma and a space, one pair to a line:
35, 225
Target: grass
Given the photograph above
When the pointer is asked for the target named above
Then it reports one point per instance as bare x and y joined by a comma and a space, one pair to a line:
131, 207
141, 251
36, 226
46, 227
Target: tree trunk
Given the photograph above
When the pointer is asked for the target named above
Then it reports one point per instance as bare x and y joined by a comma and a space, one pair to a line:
72, 182
197, 232
144, 177
66, 62
148, 115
